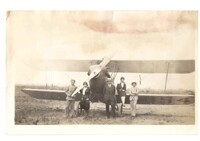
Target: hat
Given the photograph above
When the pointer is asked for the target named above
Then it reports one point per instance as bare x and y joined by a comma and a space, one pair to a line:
109, 80
73, 80
85, 83
122, 78
133, 83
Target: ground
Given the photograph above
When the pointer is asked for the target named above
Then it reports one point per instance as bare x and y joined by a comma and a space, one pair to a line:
29, 110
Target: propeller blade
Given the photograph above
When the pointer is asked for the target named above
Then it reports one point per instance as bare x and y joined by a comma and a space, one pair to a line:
94, 72
92, 75
106, 60
77, 90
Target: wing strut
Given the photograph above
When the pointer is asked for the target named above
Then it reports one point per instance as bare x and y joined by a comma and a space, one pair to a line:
166, 76
140, 79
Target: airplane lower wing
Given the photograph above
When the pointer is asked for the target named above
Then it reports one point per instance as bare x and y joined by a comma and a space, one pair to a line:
158, 99
162, 99
45, 94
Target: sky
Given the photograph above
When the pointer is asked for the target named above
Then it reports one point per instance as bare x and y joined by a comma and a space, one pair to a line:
36, 36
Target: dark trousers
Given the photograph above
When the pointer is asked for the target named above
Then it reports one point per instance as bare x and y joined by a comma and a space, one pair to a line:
108, 103
85, 104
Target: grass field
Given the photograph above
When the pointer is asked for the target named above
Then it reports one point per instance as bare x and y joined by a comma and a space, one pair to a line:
30, 111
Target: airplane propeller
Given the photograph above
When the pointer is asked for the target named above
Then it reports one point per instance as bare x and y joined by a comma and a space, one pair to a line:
95, 71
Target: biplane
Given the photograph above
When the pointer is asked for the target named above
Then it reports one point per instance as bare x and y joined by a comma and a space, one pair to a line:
98, 73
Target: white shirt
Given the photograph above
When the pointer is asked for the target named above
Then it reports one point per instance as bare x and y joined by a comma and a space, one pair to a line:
122, 85
134, 91
84, 89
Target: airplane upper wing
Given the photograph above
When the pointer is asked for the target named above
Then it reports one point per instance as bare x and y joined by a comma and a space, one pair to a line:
173, 66
129, 66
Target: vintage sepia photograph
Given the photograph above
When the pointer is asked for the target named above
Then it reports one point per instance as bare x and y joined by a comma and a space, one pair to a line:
102, 67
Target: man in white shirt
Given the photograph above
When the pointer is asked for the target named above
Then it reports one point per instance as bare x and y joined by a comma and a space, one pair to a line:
133, 98
69, 99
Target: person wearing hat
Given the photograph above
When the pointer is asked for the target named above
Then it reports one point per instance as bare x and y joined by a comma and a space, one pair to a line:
133, 98
121, 90
109, 98
69, 99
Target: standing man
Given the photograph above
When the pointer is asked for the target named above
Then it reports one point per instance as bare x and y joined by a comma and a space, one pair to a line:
133, 98
109, 98
121, 90
70, 100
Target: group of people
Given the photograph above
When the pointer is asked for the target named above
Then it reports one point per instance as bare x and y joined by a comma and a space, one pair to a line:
82, 99
110, 96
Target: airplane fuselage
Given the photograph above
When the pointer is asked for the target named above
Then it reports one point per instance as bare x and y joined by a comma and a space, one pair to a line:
98, 82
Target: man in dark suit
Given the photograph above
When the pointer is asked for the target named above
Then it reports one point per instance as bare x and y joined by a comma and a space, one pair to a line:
109, 98
121, 90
